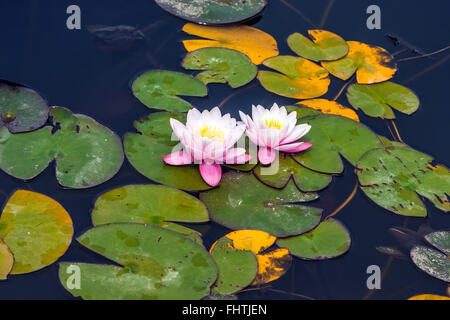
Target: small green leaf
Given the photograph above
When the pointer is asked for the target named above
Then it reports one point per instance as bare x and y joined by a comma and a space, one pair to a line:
433, 262
440, 240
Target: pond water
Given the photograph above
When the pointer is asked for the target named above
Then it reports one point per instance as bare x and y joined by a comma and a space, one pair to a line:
71, 69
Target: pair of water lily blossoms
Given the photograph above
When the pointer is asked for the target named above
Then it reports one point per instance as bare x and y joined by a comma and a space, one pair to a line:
209, 139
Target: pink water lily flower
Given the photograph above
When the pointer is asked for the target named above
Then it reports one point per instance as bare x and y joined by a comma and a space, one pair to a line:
208, 139
274, 130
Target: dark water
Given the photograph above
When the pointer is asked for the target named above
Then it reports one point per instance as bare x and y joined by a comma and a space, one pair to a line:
71, 70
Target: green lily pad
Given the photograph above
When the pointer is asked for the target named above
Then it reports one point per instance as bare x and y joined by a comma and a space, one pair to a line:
302, 111
328, 240
149, 204
21, 109
237, 268
260, 207
288, 169
222, 65
440, 240
325, 45
394, 177
298, 78
332, 135
390, 143
212, 12
433, 262
159, 89
6, 260
86, 153
146, 149
154, 264
37, 230
376, 100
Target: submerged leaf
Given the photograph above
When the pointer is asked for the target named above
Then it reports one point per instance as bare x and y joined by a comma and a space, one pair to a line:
394, 177
328, 240
376, 100
222, 65
433, 262
298, 78
86, 152
372, 64
37, 230
154, 264
330, 107
159, 89
440, 240
254, 43
260, 207
325, 45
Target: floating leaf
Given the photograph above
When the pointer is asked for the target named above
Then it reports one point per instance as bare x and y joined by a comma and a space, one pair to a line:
390, 143
86, 152
298, 78
155, 263
433, 262
254, 43
149, 204
237, 268
213, 11
394, 177
376, 100
440, 240
304, 178
324, 46
159, 89
220, 297
222, 65
21, 109
146, 149
302, 111
333, 135
6, 260
328, 240
330, 107
429, 297
37, 230
260, 207
372, 64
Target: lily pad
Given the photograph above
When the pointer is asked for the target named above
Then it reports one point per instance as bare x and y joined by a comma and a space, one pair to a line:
252, 42
288, 169
159, 89
154, 264
376, 100
372, 64
298, 78
440, 240
145, 150
260, 207
6, 260
212, 12
325, 45
149, 204
429, 297
332, 136
394, 177
237, 268
433, 262
37, 230
21, 109
328, 240
330, 107
86, 152
222, 65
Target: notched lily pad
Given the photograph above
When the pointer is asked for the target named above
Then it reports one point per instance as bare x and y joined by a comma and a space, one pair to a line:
212, 12
376, 100
433, 262
260, 207
86, 152
328, 240
394, 177
372, 64
154, 264
297, 78
222, 65
36, 229
21, 109
159, 89
146, 148
324, 46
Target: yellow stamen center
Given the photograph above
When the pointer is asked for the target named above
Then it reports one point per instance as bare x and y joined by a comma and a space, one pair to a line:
210, 132
272, 123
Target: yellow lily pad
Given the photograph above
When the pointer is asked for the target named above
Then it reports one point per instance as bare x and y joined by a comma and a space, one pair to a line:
330, 107
429, 297
6, 260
